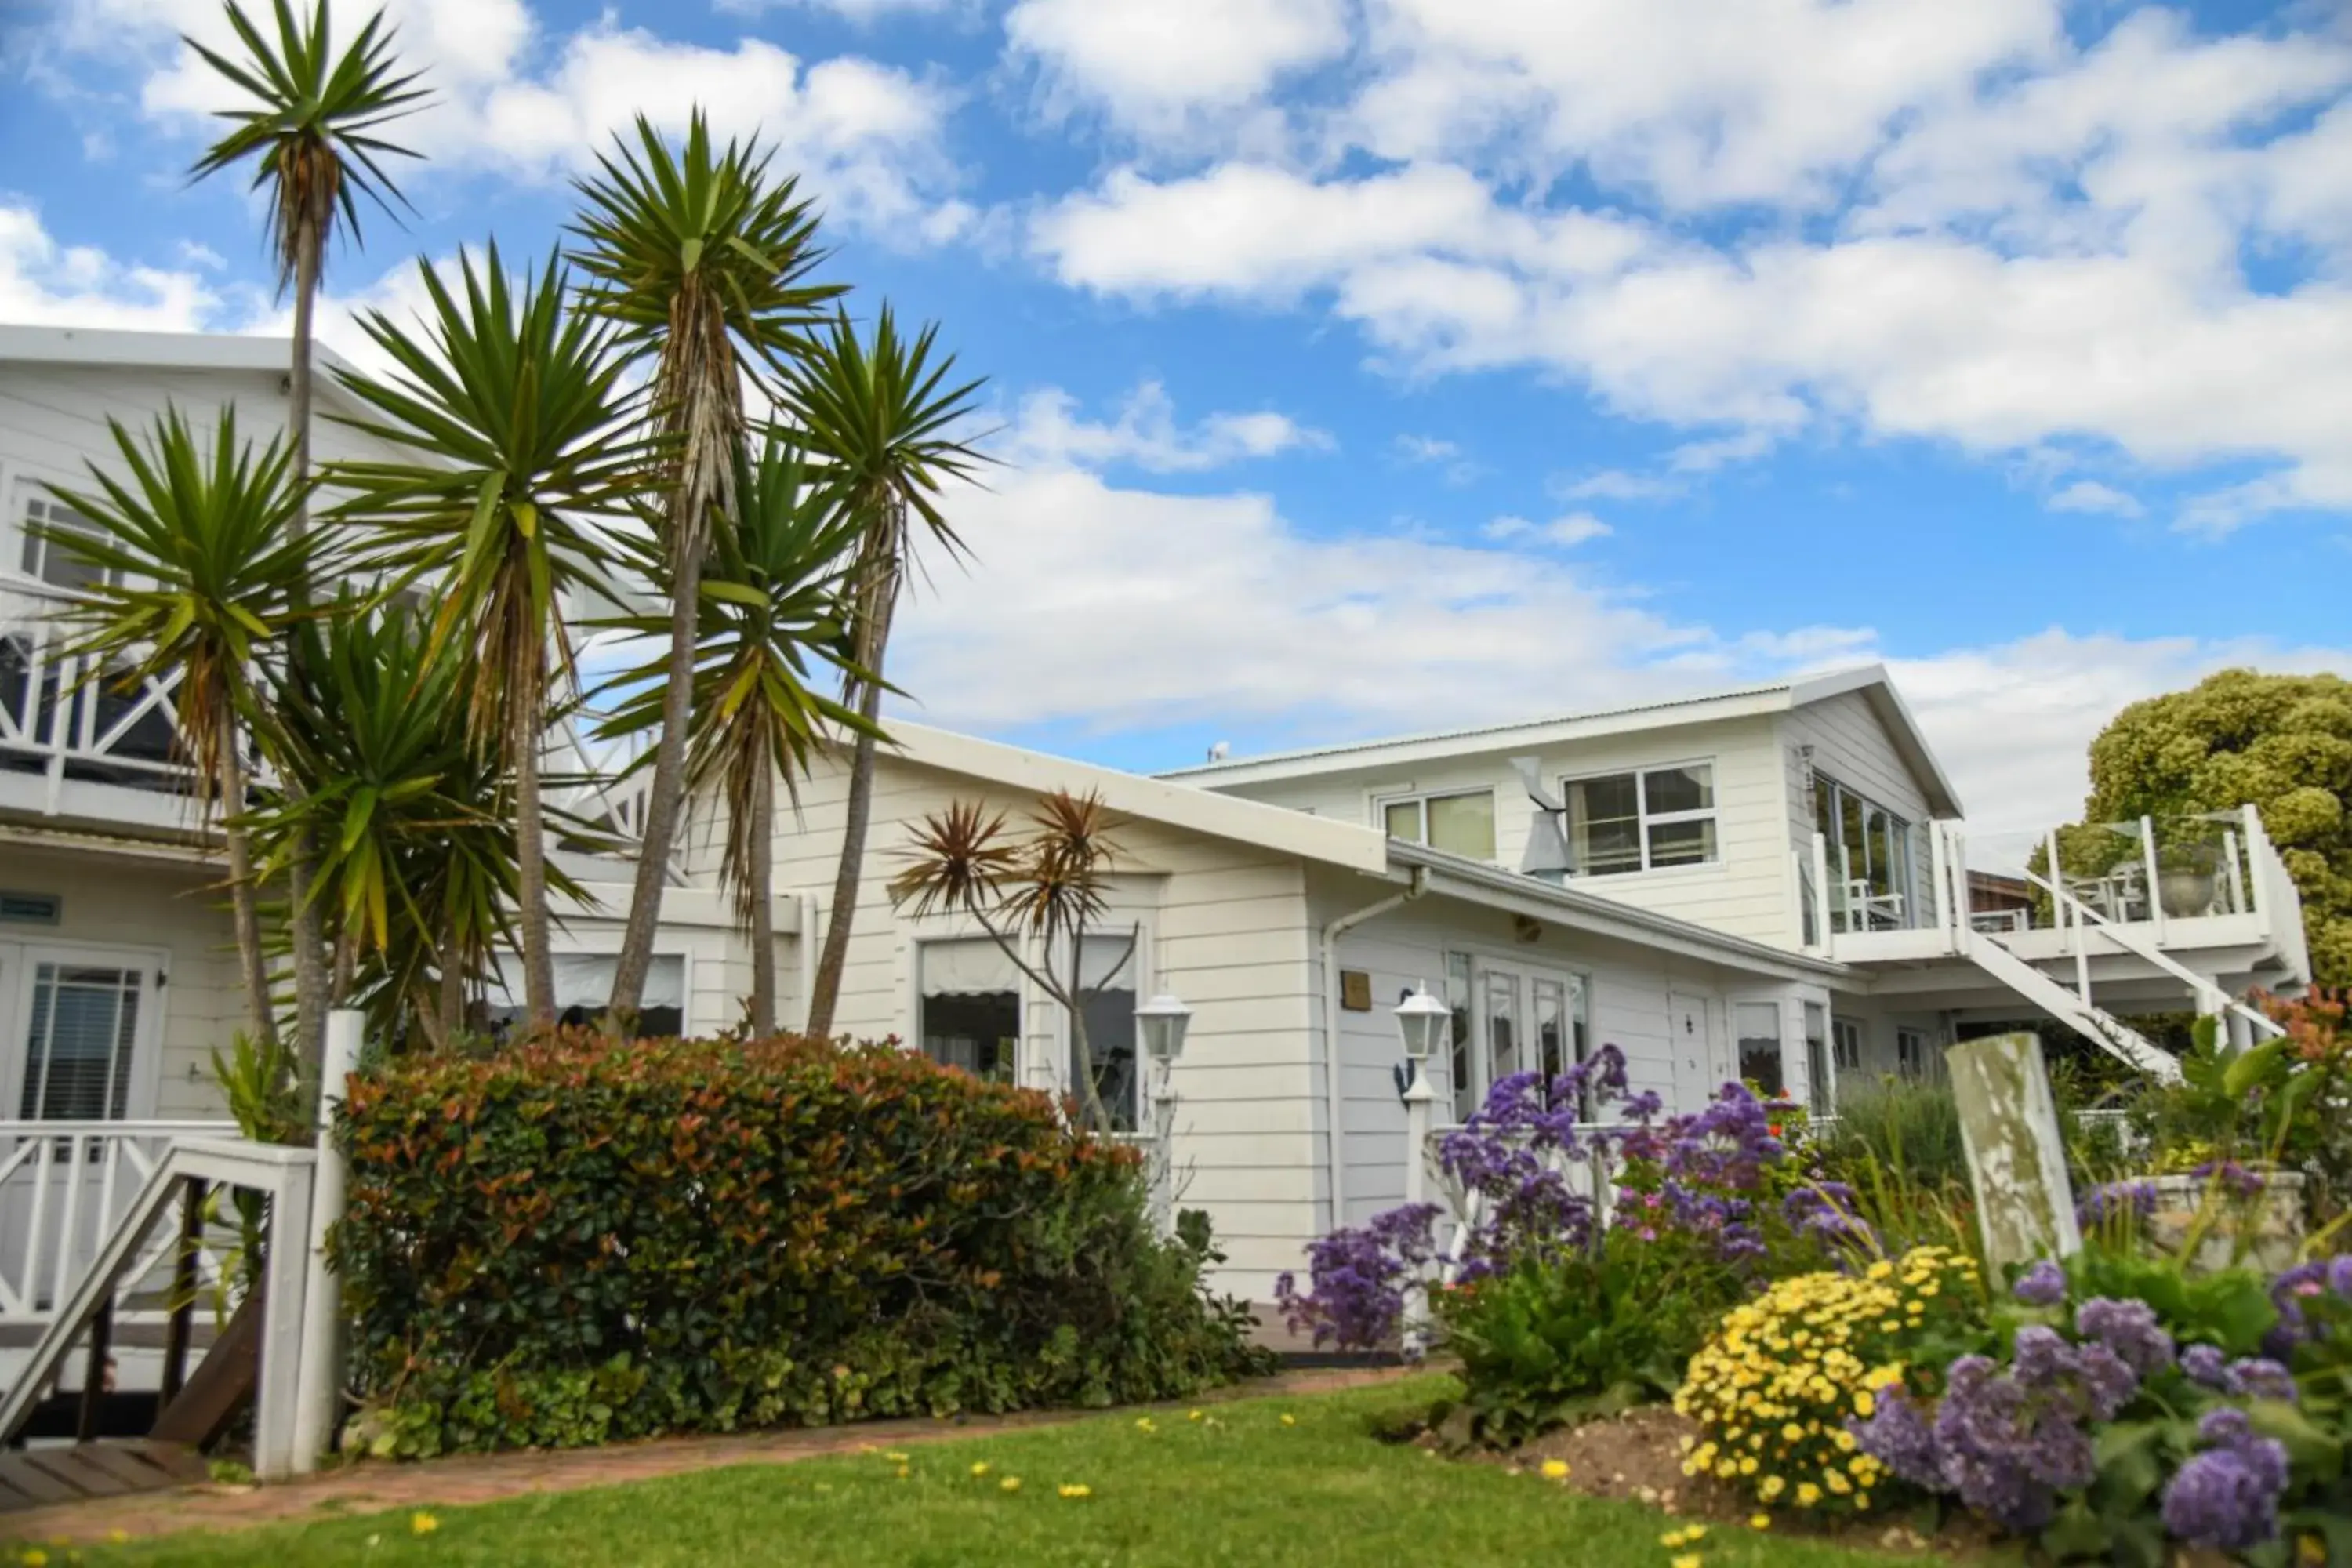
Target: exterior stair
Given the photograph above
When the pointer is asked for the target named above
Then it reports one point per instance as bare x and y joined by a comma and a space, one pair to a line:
2112, 1034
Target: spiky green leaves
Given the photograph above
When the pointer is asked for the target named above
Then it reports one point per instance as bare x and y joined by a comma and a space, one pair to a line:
311, 124
203, 571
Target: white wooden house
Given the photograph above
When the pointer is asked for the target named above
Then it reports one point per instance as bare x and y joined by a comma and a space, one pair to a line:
1768, 882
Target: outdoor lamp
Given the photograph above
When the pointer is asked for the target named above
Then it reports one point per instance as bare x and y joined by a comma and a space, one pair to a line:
1161, 1022
1422, 1020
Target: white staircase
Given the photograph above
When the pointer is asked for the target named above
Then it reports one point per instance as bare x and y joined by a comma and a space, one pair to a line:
2111, 1033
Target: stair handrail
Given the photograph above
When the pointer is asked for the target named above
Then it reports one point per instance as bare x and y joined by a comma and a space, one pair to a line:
285, 1175
2203, 988
2119, 1038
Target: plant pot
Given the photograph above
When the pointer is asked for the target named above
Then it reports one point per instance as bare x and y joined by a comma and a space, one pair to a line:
2186, 894
2271, 1220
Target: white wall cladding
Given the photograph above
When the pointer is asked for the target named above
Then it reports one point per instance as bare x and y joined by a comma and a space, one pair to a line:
1851, 745
1744, 892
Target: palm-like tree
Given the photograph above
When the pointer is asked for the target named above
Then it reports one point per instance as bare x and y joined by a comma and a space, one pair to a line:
515, 410
203, 570
770, 600
311, 128
883, 418
418, 865
701, 260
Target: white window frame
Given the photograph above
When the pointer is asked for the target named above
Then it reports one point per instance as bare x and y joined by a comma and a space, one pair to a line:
1526, 972
1025, 993
1915, 1071
1421, 799
19, 963
1643, 818
1841, 1030
21, 499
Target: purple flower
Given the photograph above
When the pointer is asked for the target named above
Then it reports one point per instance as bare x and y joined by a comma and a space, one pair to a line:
2204, 1364
2215, 1499
2227, 1497
2232, 1177
2114, 1203
2289, 1291
2129, 1329
1360, 1280
2260, 1377
1897, 1436
2339, 1277
2044, 1285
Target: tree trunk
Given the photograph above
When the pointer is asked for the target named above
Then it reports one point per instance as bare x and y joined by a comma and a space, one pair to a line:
530, 853
347, 963
243, 915
825, 994
1082, 1056
453, 974
306, 926
666, 796
762, 872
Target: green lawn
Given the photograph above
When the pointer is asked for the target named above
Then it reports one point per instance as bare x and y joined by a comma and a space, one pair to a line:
1243, 1488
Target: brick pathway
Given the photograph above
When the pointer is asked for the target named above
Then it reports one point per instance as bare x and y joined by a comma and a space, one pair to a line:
460, 1480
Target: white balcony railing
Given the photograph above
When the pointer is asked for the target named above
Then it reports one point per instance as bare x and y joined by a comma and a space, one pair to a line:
64, 1186
59, 726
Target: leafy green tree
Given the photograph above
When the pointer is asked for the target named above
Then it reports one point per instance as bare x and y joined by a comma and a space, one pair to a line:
771, 605
203, 571
701, 260
519, 429
887, 423
2283, 742
310, 125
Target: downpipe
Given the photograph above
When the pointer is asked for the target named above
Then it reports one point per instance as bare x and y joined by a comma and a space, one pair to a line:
1335, 1153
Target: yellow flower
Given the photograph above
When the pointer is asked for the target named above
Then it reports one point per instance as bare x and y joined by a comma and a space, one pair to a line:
903, 1472
1866, 1406
1770, 1487
1075, 1490
1687, 1560
1144, 1424
420, 1522
1793, 1432
1009, 1484
896, 1459
1192, 1415
1672, 1540
1555, 1470
1289, 1420
1862, 1500
1835, 1481
1760, 1522
978, 1468
1808, 1494
33, 1557
1747, 1465
1695, 1532
1879, 1270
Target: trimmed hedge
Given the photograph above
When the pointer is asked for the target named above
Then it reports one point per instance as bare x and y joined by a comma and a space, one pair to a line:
577, 1241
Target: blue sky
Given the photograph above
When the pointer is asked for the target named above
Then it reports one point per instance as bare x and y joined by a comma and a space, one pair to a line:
1374, 366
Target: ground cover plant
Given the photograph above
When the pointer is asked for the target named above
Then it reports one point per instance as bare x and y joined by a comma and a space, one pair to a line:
575, 1241
1277, 1482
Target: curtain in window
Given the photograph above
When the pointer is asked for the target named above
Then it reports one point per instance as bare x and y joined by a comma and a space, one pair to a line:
78, 1052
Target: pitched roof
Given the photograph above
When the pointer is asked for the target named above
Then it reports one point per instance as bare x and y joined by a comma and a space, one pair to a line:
229, 352
1871, 681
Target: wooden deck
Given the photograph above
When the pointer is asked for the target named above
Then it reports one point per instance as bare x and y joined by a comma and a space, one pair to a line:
39, 1477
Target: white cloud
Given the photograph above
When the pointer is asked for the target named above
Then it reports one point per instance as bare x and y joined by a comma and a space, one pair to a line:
45, 284
1705, 457
1158, 68
2090, 494
862, 12
1564, 533
1427, 449
2013, 721
1617, 484
1146, 435
514, 97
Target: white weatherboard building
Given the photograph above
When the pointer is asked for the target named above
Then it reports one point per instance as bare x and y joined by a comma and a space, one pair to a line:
1772, 883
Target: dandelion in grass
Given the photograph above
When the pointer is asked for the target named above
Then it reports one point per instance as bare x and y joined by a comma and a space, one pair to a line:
423, 1523
1192, 1415
895, 1458
1555, 1470
1009, 1484
1144, 1424
903, 1471
979, 1468
1289, 1420
33, 1557
1760, 1522
1688, 1559
1075, 1490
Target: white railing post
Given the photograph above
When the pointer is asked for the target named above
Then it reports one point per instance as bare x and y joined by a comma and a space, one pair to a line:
1417, 1096
1940, 863
1822, 892
2154, 885
320, 1388
2257, 848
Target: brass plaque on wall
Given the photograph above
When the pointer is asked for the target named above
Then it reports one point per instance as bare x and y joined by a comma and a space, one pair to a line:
1355, 991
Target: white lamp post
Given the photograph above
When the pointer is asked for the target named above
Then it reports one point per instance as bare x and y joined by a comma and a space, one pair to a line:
1161, 1024
1421, 1021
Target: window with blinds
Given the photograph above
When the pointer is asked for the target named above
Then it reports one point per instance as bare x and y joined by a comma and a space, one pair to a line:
78, 1052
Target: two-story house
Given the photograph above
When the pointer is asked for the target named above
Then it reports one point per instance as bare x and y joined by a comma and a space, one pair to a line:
1772, 883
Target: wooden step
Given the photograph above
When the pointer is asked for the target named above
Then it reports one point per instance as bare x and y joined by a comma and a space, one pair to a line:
37, 1477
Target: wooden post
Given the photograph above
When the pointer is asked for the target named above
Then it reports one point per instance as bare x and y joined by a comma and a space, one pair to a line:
183, 1292
2017, 1159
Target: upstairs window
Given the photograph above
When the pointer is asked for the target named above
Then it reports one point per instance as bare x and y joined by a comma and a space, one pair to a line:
1460, 824
1642, 821
47, 560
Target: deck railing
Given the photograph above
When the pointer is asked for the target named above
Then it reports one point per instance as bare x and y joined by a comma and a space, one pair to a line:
64, 1186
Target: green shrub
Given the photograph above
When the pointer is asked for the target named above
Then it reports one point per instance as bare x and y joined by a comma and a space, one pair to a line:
577, 1241
1907, 1128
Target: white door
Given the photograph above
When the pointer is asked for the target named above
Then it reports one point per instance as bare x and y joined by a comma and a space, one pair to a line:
79, 1052
1532, 1019
1693, 1050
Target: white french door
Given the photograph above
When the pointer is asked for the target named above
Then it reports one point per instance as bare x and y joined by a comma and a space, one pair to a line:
83, 1026
1529, 1018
